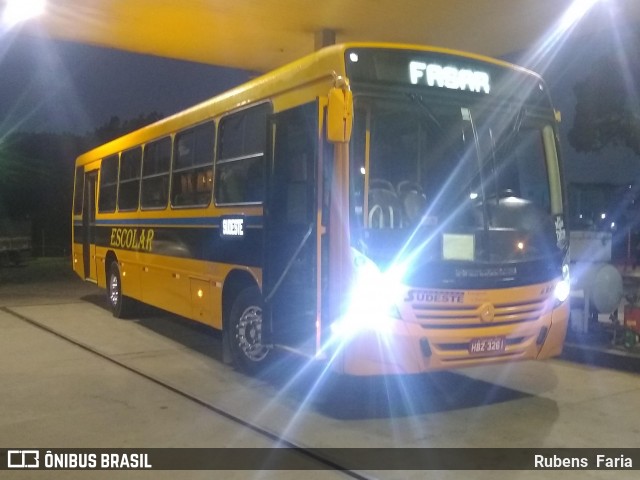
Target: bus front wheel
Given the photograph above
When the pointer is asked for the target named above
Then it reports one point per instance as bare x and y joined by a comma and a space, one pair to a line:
245, 331
121, 306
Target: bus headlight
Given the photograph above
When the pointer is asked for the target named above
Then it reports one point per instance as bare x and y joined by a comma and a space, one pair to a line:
563, 287
372, 305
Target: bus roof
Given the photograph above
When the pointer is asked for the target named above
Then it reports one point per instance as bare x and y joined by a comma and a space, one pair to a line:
323, 65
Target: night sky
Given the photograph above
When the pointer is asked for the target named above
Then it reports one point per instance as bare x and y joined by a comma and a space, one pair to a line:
55, 86
565, 65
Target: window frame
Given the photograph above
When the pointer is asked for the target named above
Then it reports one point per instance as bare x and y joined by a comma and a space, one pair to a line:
130, 180
78, 193
245, 156
102, 185
166, 173
175, 143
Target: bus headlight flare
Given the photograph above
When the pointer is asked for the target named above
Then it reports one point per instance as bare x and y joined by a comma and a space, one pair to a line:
562, 290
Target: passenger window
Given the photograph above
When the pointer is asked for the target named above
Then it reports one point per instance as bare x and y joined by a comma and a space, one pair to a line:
78, 191
155, 174
240, 163
129, 189
108, 184
192, 178
293, 176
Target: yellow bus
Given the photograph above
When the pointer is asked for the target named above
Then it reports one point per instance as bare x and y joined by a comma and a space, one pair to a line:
383, 208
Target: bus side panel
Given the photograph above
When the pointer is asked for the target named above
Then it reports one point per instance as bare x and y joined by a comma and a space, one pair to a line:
130, 272
166, 284
554, 343
101, 277
76, 253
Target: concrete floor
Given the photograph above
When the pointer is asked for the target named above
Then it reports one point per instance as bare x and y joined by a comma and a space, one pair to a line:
56, 394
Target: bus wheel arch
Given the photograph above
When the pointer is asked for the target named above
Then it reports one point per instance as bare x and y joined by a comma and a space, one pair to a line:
242, 322
121, 305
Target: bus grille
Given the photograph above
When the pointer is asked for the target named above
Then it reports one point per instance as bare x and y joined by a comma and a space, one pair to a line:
445, 317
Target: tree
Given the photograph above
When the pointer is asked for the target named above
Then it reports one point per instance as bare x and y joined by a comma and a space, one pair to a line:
608, 105
115, 127
36, 177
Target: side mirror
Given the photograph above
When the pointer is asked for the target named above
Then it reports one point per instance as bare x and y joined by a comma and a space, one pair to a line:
339, 115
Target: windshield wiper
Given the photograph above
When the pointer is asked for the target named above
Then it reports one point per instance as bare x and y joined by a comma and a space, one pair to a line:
425, 108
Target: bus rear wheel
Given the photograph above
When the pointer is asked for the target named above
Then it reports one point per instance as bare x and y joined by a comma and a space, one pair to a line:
121, 306
245, 332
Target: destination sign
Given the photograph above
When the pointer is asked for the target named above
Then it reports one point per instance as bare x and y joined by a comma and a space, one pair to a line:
435, 75
437, 71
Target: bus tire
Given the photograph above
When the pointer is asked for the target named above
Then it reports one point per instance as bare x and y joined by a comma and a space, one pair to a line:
245, 332
121, 306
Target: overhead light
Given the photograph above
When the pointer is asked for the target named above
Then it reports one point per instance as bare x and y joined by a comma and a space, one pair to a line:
16, 11
576, 11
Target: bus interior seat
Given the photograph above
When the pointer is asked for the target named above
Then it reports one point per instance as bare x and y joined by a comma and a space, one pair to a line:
384, 209
406, 186
413, 201
380, 184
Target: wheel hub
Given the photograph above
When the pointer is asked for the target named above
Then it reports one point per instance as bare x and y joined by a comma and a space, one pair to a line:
249, 334
114, 289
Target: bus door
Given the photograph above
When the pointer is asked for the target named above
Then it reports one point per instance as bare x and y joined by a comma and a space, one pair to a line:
290, 254
89, 225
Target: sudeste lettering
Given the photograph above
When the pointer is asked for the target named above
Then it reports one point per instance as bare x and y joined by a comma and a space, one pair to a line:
434, 296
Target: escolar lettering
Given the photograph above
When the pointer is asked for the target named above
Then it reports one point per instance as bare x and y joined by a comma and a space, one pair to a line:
132, 238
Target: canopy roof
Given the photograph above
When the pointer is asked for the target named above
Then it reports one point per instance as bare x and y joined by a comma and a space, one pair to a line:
263, 34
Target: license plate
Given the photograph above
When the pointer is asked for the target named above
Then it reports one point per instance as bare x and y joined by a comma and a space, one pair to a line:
484, 345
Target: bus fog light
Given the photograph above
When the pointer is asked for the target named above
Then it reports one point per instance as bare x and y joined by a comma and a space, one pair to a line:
542, 336
425, 348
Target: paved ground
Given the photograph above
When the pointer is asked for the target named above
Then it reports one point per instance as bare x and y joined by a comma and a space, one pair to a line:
56, 394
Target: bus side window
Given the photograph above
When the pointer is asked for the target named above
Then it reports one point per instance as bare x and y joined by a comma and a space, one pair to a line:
108, 184
293, 178
78, 195
155, 174
129, 183
192, 180
240, 161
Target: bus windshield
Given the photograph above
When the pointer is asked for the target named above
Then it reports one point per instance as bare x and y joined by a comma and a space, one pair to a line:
445, 182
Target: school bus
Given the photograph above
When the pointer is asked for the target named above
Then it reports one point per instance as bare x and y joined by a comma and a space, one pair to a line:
383, 208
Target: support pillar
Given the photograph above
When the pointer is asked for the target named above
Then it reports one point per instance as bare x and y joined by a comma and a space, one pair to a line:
324, 38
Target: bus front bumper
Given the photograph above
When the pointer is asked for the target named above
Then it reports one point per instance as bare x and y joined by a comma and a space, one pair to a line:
410, 348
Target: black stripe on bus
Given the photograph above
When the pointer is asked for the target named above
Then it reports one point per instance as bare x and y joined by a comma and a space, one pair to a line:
184, 242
